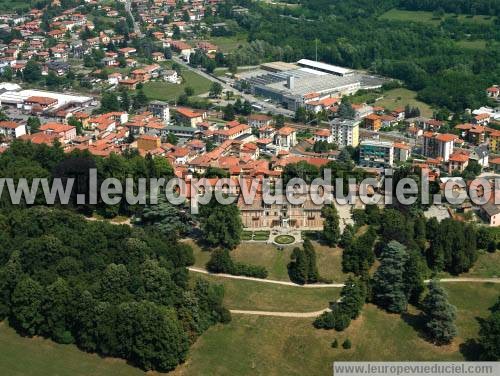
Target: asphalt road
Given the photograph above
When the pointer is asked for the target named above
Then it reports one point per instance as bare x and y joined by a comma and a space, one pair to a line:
267, 106
137, 28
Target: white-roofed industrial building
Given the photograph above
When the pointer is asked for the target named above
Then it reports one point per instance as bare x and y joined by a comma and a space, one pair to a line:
18, 99
292, 87
323, 67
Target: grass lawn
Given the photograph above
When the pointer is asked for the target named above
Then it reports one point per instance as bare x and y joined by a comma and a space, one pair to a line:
252, 345
229, 44
260, 296
486, 266
428, 18
329, 260
165, 91
400, 98
21, 356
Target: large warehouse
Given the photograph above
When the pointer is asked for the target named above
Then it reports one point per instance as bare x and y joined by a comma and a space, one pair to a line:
54, 101
292, 84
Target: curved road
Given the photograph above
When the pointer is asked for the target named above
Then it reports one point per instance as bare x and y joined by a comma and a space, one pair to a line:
137, 28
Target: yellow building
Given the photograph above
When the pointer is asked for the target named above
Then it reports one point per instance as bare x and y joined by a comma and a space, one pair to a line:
147, 143
345, 132
495, 141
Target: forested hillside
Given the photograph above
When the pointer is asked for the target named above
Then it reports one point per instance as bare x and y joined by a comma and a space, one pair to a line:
112, 289
488, 7
427, 57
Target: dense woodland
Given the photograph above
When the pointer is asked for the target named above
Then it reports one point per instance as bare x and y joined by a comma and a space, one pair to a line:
112, 289
486, 7
350, 33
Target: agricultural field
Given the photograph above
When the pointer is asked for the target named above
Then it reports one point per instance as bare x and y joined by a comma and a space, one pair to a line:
165, 91
428, 17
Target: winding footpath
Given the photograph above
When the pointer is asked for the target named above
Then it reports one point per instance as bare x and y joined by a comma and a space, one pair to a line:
331, 285
285, 283
302, 315
318, 285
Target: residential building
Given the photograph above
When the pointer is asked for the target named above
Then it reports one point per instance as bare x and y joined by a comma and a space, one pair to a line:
259, 120
439, 145
267, 132
495, 164
373, 122
147, 143
480, 154
171, 76
458, 161
362, 110
161, 110
233, 132
491, 213
11, 129
129, 83
184, 49
495, 141
285, 138
374, 153
402, 151
65, 132
189, 117
493, 92
481, 119
345, 132
323, 135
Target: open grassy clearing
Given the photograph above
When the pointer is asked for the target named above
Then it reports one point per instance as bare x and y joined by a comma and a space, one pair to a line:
428, 17
479, 44
401, 97
165, 91
229, 44
21, 356
329, 260
260, 296
486, 266
252, 345
393, 99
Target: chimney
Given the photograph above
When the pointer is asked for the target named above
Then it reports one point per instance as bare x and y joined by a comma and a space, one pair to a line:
291, 82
